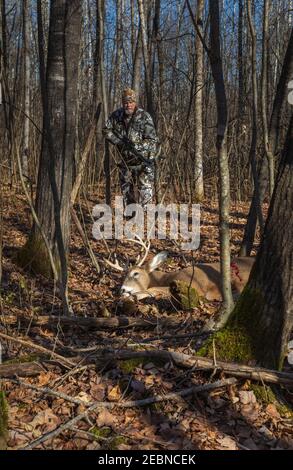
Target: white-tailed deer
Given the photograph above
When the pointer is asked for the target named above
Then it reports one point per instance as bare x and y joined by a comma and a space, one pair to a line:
143, 280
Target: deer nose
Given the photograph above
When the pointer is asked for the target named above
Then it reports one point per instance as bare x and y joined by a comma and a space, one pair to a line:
124, 291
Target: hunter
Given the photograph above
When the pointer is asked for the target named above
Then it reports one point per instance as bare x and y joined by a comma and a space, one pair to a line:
132, 131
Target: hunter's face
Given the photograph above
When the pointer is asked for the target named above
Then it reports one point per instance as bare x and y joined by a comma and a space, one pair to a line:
129, 107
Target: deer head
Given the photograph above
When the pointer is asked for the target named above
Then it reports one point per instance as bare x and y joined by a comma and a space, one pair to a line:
138, 279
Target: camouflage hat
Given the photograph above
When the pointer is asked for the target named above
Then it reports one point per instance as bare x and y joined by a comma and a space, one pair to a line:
128, 95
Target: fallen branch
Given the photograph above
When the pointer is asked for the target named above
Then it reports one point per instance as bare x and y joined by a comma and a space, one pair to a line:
26, 369
36, 347
130, 404
184, 360
101, 323
48, 391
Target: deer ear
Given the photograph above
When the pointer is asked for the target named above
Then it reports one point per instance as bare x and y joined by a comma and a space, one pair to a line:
157, 260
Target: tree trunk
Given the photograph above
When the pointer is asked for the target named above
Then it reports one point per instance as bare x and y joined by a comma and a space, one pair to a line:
224, 192
269, 154
56, 163
41, 50
118, 58
137, 63
264, 312
3, 54
245, 246
240, 60
99, 86
26, 60
198, 131
144, 37
280, 98
99, 89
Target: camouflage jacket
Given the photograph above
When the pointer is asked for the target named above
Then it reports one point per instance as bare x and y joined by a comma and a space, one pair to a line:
139, 130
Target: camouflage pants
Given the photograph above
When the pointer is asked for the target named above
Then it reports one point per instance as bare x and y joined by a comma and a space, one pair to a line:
137, 185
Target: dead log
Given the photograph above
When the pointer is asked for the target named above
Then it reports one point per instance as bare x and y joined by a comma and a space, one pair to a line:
97, 322
26, 369
184, 360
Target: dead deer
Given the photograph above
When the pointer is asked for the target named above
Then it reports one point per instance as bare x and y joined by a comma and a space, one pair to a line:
143, 280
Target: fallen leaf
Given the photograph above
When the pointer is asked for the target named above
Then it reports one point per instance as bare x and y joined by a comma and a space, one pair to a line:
246, 397
228, 443
45, 419
114, 394
105, 418
84, 397
272, 411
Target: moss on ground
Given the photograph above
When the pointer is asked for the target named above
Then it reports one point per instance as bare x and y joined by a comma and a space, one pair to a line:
265, 395
239, 340
230, 344
186, 295
110, 442
103, 433
34, 257
23, 359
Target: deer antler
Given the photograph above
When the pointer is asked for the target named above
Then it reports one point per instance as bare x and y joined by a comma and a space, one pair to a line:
139, 262
115, 265
145, 245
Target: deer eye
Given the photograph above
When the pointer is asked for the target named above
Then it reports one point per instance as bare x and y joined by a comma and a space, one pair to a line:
135, 274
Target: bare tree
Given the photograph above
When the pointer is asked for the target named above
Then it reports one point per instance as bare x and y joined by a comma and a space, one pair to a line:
118, 58
264, 312
138, 56
147, 68
56, 163
198, 106
26, 75
264, 87
274, 135
224, 193
240, 59
254, 137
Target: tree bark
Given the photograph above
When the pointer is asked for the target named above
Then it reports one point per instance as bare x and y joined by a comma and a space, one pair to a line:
41, 50
264, 110
224, 191
56, 162
198, 131
265, 308
245, 246
118, 57
144, 37
240, 60
26, 75
280, 98
137, 63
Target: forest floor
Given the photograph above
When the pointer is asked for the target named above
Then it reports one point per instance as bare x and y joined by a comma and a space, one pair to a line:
88, 368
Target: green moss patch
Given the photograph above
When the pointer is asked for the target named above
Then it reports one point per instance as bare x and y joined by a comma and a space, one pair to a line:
110, 442
34, 257
185, 295
231, 344
23, 359
267, 396
103, 433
